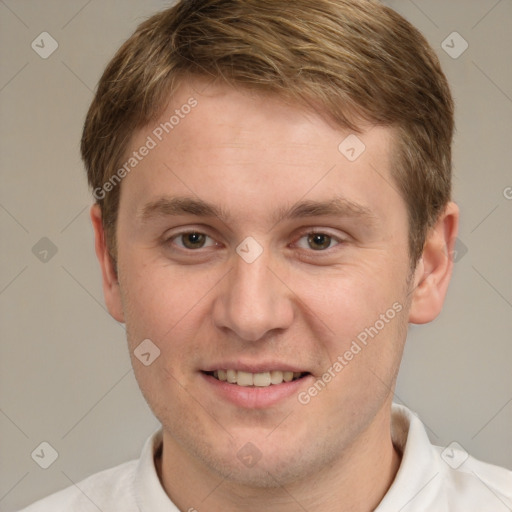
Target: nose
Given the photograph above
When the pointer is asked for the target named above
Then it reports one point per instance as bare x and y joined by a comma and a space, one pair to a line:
253, 299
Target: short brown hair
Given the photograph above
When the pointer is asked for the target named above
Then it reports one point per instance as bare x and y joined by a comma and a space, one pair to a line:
355, 59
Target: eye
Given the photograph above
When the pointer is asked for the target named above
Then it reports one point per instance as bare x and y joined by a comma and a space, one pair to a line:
318, 241
191, 240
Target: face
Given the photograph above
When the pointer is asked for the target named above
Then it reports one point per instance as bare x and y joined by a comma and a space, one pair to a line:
251, 247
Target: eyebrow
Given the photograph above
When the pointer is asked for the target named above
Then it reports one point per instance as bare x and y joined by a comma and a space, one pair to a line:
183, 205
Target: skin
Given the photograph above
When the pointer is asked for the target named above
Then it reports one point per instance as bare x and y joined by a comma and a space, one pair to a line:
297, 303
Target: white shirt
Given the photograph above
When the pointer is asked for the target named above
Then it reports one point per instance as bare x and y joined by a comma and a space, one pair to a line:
430, 479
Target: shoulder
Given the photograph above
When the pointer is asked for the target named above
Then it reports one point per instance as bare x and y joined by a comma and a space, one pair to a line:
107, 491
471, 483
444, 479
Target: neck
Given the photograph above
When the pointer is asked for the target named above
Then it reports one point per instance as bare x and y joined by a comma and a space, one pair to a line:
356, 482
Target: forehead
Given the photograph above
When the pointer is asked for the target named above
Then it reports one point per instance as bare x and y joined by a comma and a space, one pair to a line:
243, 116
241, 148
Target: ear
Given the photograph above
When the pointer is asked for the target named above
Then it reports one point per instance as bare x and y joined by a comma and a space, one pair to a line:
111, 289
434, 270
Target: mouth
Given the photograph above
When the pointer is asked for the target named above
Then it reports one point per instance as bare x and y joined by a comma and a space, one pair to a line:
256, 380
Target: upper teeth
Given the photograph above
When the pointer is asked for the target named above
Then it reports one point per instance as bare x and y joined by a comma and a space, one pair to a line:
262, 379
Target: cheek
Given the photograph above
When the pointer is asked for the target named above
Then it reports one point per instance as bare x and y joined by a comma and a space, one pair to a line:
165, 304
159, 307
349, 299
361, 319
146, 299
367, 329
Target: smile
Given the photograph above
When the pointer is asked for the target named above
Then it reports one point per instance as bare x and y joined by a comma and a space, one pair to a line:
260, 379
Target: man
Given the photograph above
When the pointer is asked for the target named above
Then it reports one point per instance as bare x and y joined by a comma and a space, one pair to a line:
273, 187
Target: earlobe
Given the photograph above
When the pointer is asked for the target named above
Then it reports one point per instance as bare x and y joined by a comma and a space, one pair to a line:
434, 270
111, 289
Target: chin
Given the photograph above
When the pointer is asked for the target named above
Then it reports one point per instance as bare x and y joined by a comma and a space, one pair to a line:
255, 460
272, 470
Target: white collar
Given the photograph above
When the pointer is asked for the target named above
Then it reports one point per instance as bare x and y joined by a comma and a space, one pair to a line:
424, 480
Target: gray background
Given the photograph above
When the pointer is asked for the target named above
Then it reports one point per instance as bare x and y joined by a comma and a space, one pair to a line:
65, 373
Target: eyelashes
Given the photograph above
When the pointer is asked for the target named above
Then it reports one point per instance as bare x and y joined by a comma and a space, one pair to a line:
312, 240
192, 240
320, 238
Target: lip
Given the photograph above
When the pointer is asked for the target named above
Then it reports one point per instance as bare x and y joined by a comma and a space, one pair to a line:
255, 397
254, 367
